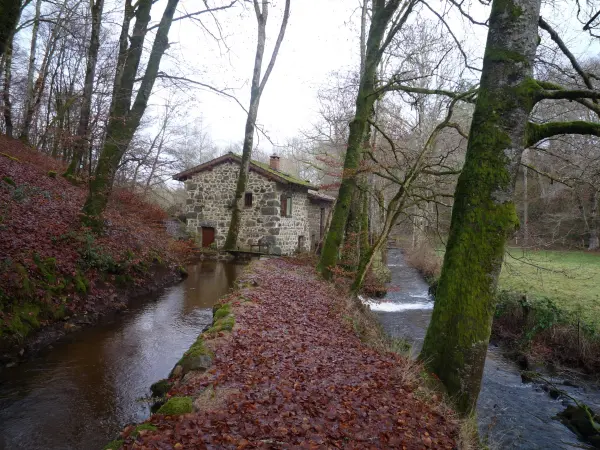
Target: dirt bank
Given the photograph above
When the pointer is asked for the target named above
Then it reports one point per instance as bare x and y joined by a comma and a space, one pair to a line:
56, 276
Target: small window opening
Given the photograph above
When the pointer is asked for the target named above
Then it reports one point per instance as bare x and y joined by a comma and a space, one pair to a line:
286, 205
248, 200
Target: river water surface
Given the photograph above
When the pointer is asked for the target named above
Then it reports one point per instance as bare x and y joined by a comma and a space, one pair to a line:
82, 392
511, 414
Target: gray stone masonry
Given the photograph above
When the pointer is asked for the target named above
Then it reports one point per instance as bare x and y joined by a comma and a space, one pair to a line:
210, 196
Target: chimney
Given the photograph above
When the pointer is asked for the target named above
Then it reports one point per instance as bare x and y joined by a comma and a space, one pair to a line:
274, 162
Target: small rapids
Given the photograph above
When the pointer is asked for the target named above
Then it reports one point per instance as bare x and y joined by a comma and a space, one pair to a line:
511, 414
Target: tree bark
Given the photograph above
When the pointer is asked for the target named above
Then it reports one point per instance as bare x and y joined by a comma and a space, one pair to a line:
124, 119
6, 89
594, 242
525, 223
83, 137
30, 71
256, 91
10, 11
365, 99
484, 214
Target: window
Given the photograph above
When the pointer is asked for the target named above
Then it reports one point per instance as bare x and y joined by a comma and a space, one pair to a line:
286, 205
248, 199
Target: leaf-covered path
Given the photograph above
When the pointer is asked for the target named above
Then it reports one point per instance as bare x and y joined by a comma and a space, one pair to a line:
294, 374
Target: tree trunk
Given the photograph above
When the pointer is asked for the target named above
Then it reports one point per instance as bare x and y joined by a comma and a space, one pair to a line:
365, 99
484, 215
525, 223
82, 137
10, 11
124, 119
594, 243
30, 72
256, 91
6, 90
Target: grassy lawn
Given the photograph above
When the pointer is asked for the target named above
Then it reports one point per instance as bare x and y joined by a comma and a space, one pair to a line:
570, 279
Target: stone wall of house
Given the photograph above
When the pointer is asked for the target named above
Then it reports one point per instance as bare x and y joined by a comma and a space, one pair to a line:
293, 231
210, 195
314, 220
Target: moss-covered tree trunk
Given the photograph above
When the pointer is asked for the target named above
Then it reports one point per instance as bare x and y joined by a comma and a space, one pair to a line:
124, 119
366, 96
256, 91
484, 215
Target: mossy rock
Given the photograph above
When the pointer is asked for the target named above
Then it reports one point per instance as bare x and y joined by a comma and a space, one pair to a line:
225, 324
160, 388
52, 173
198, 357
114, 445
176, 406
222, 311
582, 421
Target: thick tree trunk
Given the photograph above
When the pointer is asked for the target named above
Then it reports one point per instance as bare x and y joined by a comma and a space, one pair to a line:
484, 215
124, 119
10, 11
365, 99
82, 137
256, 91
594, 243
525, 223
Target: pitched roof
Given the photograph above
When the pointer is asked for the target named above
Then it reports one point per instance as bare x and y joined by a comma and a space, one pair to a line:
256, 166
320, 196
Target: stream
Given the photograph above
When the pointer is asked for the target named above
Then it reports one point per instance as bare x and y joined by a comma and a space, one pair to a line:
80, 394
512, 415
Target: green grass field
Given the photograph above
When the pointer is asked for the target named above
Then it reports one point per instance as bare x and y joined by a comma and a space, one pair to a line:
570, 279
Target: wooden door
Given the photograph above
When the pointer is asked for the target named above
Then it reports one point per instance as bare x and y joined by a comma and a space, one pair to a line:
208, 236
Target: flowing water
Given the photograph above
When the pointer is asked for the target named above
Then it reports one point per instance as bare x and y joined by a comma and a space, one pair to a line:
512, 414
83, 391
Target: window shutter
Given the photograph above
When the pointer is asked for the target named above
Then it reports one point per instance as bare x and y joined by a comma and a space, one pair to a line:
283, 205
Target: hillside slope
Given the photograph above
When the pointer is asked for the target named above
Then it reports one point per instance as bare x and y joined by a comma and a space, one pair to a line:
52, 269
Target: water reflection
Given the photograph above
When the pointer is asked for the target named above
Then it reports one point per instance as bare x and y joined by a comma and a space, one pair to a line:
82, 392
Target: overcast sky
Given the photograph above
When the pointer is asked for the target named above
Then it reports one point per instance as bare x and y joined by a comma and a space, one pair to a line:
322, 37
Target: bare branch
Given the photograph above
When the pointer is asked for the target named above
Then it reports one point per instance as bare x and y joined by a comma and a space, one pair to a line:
197, 13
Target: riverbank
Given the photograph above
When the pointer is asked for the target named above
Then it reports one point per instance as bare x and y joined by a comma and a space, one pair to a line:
57, 277
546, 307
291, 360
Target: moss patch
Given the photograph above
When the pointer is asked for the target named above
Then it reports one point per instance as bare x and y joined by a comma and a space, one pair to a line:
176, 406
114, 445
222, 311
225, 324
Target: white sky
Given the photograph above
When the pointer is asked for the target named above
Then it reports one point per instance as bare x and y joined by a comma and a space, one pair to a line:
319, 39
322, 37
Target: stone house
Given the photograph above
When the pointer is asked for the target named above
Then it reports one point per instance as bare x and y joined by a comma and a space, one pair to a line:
287, 213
